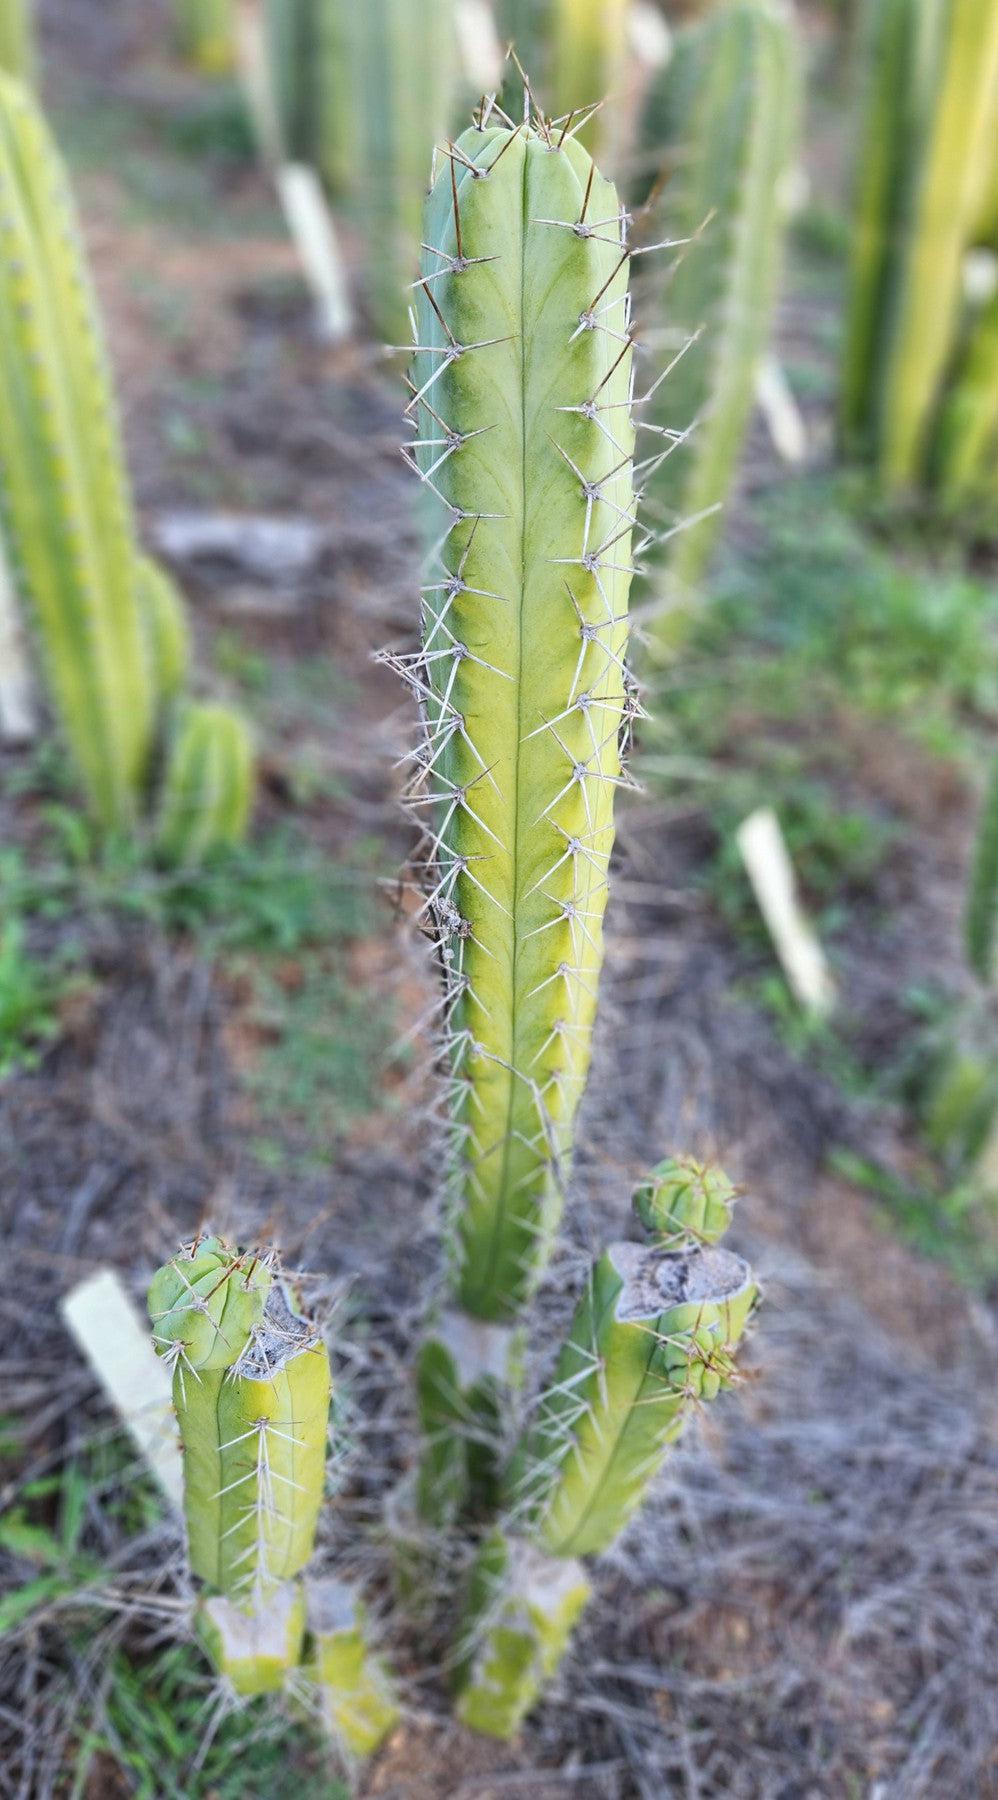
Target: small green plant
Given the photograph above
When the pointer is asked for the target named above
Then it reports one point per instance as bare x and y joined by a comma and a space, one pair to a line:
919, 374
718, 133
109, 623
30, 992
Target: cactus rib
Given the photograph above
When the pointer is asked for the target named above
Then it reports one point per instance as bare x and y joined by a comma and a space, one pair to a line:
981, 926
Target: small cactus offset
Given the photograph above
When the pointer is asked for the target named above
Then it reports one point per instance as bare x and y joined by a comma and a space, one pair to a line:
966, 455
387, 78
17, 55
206, 34
251, 1388
587, 52
720, 123
924, 189
165, 629
654, 1333
207, 792
521, 387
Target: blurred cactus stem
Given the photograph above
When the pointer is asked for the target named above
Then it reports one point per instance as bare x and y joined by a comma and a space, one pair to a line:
523, 441
981, 922
343, 1674
207, 788
65, 508
587, 56
254, 1652
653, 1335
17, 47
251, 1388
967, 438
387, 76
206, 34
720, 126
924, 194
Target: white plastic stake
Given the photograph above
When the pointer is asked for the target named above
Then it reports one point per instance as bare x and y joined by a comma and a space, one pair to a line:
767, 861
115, 1342
781, 412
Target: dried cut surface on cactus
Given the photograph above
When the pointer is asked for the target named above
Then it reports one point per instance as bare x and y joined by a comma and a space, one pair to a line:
521, 405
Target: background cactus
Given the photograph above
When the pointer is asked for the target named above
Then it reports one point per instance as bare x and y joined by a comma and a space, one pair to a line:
387, 80
16, 41
654, 1333
924, 174
587, 54
343, 1672
720, 122
109, 623
981, 928
206, 34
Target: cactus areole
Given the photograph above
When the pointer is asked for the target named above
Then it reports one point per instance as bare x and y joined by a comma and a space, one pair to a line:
521, 390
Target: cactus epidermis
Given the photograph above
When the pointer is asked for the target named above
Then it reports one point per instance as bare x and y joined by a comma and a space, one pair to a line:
521, 397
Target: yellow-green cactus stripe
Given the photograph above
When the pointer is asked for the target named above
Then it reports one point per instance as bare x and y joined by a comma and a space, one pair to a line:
167, 633
16, 38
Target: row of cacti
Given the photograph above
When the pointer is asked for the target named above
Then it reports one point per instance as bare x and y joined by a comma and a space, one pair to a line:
523, 438
718, 134
108, 623
920, 372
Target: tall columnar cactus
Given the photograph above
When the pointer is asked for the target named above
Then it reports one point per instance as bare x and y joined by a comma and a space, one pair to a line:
966, 458
387, 76
521, 391
63, 491
109, 623
926, 152
653, 1334
16, 41
251, 1389
206, 34
720, 125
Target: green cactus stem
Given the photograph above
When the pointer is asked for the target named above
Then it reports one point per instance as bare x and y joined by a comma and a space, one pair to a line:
206, 34
587, 53
254, 1652
683, 1203
343, 1671
981, 924
167, 633
17, 50
388, 76
925, 307
720, 122
522, 1609
653, 1332
65, 510
208, 786
521, 387
464, 1368
251, 1387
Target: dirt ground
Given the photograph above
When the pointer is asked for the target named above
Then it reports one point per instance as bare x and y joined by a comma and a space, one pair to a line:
808, 1610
